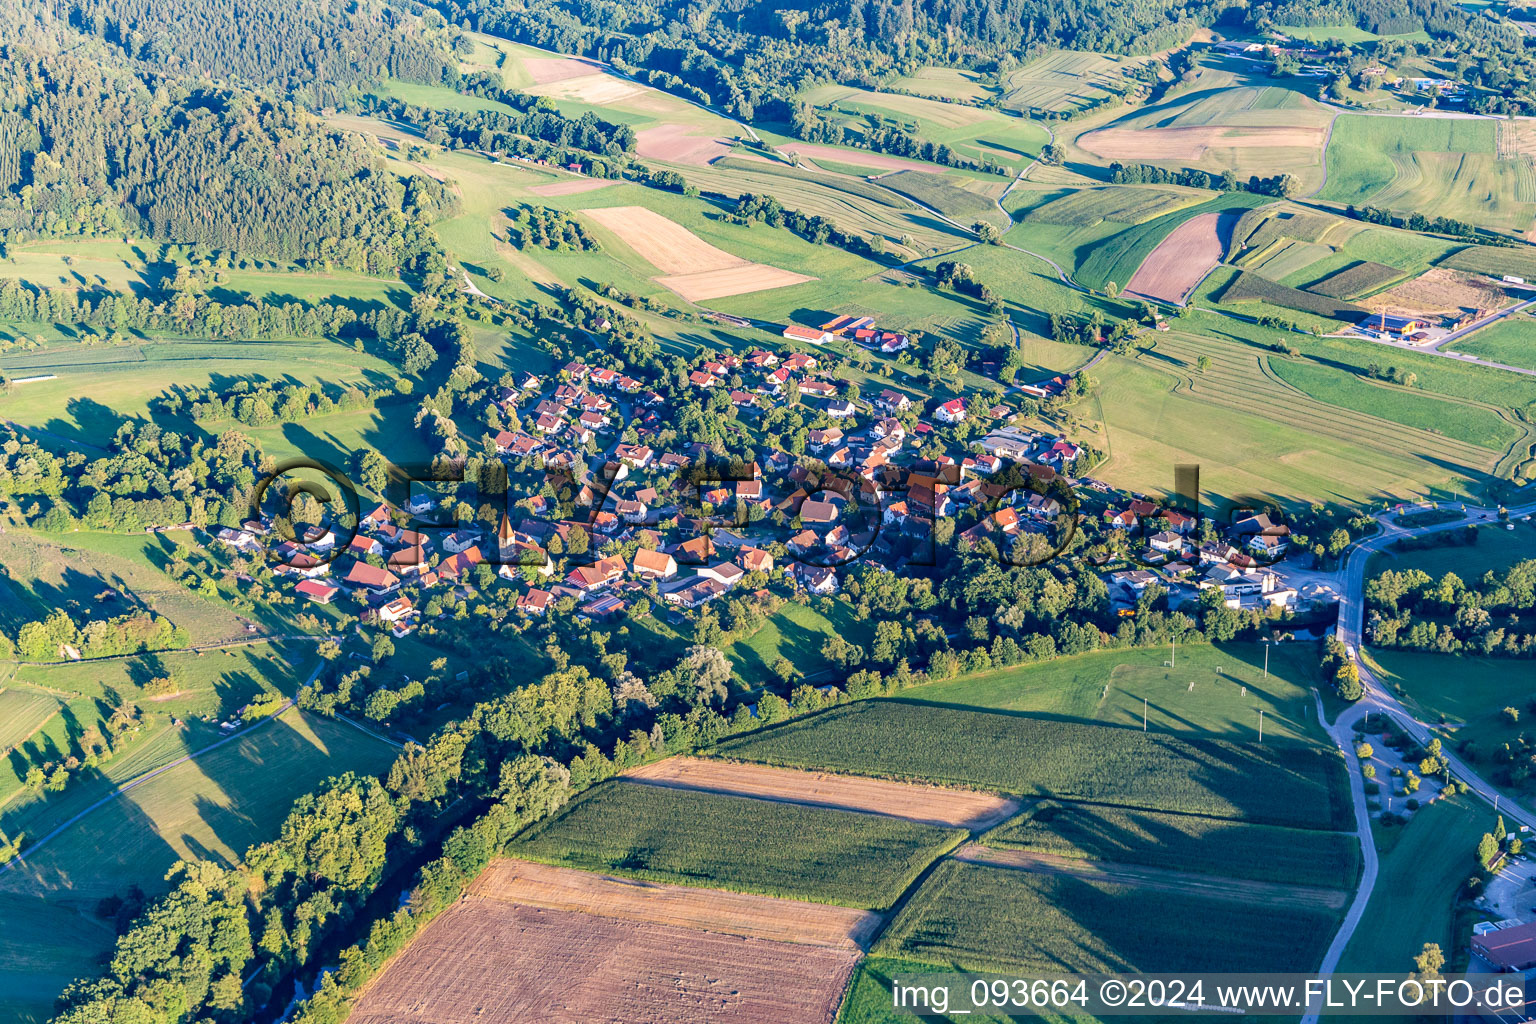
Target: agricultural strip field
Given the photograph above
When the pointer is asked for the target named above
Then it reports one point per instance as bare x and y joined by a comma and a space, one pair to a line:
1065, 80
509, 880
776, 849
212, 808
981, 917
930, 805
1213, 690
1278, 783
618, 959
1179, 263
1220, 124
1157, 880
1118, 260
949, 196
1185, 843
1450, 166
1156, 414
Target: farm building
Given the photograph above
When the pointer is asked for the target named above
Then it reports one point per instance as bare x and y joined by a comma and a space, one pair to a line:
320, 593
1384, 324
812, 335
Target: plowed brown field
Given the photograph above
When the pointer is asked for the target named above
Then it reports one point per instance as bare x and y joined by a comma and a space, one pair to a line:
932, 805
531, 944
1180, 261
764, 917
485, 961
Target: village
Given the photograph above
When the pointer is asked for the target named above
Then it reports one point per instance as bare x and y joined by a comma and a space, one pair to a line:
605, 520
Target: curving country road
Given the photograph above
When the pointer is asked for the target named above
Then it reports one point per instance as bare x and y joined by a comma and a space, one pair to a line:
1377, 699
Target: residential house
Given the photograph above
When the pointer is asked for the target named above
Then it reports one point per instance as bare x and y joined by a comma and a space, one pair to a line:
535, 602
654, 564
363, 576
840, 410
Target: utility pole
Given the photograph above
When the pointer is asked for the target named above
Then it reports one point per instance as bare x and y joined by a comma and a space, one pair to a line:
1173, 655
1144, 717
1266, 657
1261, 725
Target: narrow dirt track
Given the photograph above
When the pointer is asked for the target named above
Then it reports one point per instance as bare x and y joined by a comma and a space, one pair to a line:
930, 805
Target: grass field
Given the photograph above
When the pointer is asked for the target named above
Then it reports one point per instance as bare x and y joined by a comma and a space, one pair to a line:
1274, 439
1494, 260
982, 918
1066, 80
796, 632
97, 389
1480, 426
1422, 875
1108, 687
1450, 167
972, 132
706, 839
1511, 340
945, 83
212, 808
1182, 842
1280, 783
97, 575
950, 197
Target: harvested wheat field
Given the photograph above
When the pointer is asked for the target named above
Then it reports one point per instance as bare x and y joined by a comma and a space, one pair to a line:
930, 805
1442, 290
598, 89
673, 143
571, 186
1190, 143
691, 267
1180, 262
484, 961
664, 244
716, 284
715, 910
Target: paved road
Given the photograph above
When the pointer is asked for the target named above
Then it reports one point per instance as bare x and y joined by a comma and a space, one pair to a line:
1378, 700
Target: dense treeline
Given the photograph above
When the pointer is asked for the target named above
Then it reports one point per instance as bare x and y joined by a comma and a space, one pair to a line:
1284, 185
1423, 222
264, 403
529, 127
752, 58
92, 151
97, 638
1409, 608
752, 209
313, 52
190, 312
